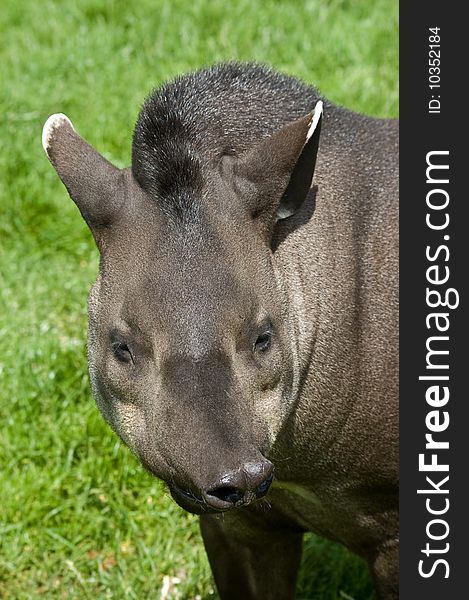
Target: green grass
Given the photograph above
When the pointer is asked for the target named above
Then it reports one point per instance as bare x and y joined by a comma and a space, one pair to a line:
78, 516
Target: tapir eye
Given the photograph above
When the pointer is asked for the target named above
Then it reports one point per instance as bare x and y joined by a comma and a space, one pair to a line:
263, 341
122, 352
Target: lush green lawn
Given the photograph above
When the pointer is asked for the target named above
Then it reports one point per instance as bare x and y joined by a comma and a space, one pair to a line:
78, 516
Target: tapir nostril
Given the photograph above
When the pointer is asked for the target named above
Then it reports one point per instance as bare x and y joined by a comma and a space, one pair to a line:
263, 488
241, 486
227, 494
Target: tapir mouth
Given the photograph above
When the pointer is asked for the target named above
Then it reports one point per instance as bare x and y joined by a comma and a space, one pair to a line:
189, 501
198, 504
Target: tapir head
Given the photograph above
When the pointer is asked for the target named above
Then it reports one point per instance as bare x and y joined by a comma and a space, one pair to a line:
192, 352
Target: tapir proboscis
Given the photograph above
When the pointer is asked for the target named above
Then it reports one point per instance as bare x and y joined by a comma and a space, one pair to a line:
243, 327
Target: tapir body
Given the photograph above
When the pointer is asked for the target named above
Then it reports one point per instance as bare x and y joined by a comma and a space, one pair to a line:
243, 328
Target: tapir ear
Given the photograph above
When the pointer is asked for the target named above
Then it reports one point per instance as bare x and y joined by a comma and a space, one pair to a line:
94, 184
278, 172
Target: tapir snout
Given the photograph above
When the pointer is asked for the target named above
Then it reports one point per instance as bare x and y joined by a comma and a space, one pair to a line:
234, 488
213, 454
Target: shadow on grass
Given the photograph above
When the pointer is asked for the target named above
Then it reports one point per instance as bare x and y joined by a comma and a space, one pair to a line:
330, 572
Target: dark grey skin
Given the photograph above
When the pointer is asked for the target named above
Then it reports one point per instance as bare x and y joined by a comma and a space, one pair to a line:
243, 327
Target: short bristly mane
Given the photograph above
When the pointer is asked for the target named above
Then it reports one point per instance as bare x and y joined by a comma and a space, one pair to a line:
188, 123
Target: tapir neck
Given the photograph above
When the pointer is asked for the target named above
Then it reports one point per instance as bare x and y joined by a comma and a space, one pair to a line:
338, 264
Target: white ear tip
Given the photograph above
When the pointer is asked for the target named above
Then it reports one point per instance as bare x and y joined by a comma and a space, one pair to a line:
52, 122
315, 120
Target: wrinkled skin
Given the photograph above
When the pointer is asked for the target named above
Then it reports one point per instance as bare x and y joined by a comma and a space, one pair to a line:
243, 327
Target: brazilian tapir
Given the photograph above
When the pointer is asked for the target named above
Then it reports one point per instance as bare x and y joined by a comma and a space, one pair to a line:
243, 328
